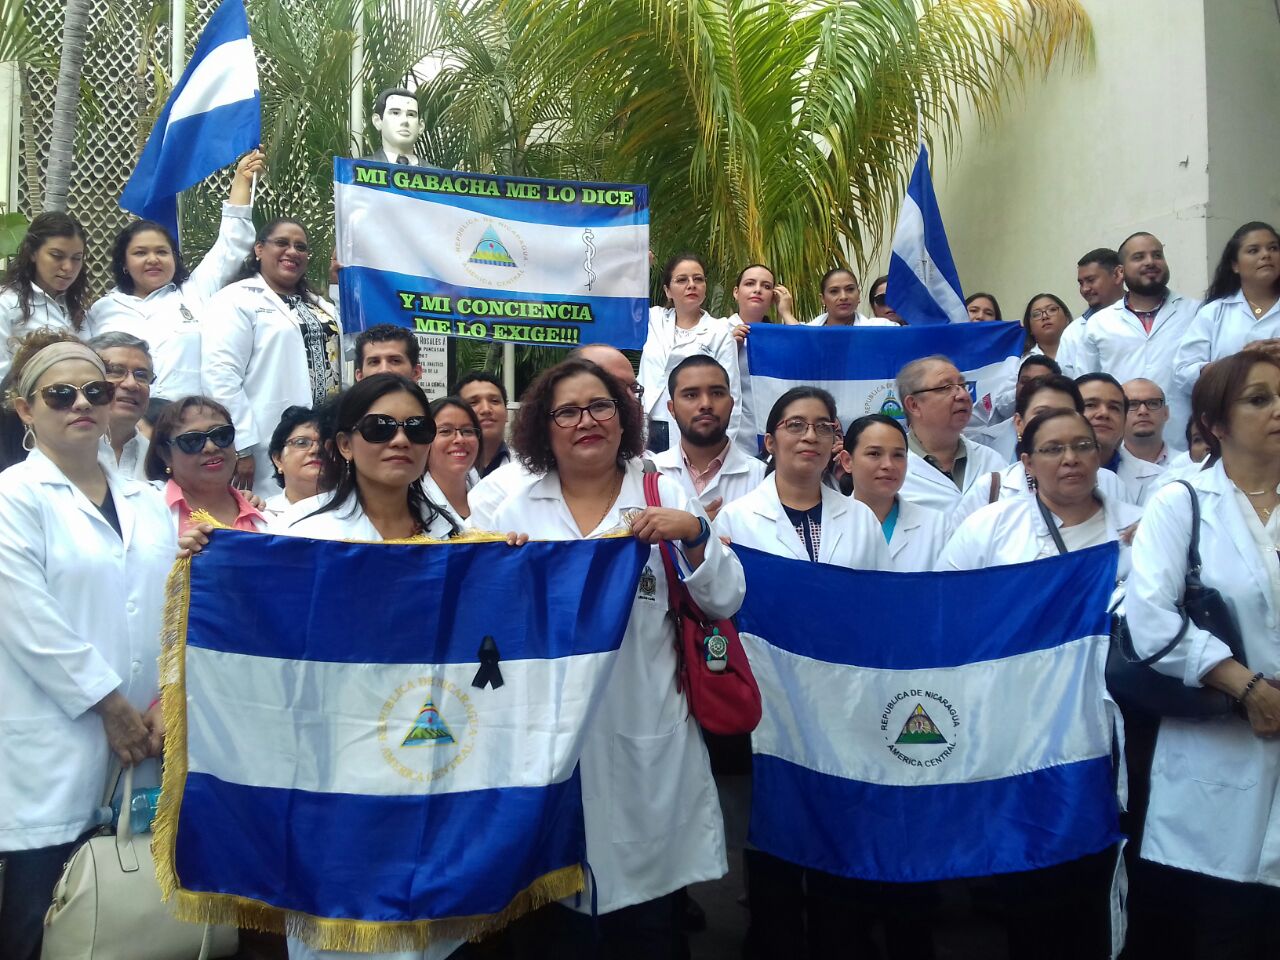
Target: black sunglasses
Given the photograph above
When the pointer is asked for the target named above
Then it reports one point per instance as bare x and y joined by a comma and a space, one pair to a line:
380, 428
878, 299
62, 396
193, 442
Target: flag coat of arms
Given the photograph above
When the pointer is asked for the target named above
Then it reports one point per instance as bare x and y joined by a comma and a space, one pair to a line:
374, 746
956, 726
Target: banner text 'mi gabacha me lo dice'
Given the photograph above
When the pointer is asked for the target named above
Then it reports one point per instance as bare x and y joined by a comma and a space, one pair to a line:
508, 259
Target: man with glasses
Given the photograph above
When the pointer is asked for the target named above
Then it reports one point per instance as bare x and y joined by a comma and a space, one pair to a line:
1143, 453
129, 367
941, 463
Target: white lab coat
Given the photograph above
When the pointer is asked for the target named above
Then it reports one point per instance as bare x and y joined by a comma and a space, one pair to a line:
918, 538
739, 475
255, 364
45, 312
1215, 807
929, 487
490, 492
747, 436
1220, 328
1013, 482
82, 612
1140, 477
851, 534
1181, 467
347, 523
169, 319
651, 809
1069, 347
436, 496
1013, 531
666, 345
1115, 343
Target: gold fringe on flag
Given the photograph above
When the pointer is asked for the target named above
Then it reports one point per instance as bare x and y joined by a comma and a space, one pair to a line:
321, 933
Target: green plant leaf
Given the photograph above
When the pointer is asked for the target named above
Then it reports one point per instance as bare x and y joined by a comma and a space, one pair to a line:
13, 227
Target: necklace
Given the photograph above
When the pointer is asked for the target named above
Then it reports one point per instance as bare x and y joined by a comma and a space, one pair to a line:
617, 489
1257, 310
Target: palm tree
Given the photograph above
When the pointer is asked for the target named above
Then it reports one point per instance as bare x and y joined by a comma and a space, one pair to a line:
767, 130
62, 129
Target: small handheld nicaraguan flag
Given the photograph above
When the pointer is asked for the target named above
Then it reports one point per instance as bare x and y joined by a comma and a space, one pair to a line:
212, 117
923, 284
858, 364
374, 747
957, 726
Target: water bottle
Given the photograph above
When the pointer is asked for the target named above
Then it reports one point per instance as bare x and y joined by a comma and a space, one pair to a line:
142, 809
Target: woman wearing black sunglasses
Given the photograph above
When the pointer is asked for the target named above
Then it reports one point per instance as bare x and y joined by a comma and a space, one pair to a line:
193, 447
382, 436
84, 552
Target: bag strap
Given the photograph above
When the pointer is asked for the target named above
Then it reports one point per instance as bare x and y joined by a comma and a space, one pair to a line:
1193, 548
653, 498
994, 493
1052, 525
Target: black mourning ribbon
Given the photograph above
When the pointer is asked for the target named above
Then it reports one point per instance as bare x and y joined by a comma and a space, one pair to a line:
488, 675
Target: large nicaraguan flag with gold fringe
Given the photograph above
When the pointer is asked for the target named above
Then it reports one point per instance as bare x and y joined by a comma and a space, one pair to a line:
513, 259
930, 726
374, 746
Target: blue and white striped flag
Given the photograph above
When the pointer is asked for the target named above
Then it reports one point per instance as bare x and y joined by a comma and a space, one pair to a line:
923, 284
512, 259
927, 726
375, 746
213, 116
858, 364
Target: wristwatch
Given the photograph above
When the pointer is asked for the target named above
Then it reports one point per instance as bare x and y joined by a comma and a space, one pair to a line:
704, 534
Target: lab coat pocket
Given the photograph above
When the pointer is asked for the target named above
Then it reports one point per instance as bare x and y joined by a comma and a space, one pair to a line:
1221, 752
649, 785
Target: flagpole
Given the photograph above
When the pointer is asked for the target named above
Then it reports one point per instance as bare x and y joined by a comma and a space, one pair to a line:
177, 63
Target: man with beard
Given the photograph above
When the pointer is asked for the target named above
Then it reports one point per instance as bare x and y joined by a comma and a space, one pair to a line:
1138, 335
1143, 454
705, 461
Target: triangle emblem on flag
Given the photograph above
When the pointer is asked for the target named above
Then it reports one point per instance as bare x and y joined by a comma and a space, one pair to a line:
491, 251
919, 728
428, 729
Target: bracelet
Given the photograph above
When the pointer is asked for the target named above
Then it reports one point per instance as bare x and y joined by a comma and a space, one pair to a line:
1248, 687
704, 534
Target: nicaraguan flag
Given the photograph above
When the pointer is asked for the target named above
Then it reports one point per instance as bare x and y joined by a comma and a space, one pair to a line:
345, 759
213, 116
923, 284
956, 726
858, 365
510, 259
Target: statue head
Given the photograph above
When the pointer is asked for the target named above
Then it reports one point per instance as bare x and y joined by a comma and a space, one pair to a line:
395, 117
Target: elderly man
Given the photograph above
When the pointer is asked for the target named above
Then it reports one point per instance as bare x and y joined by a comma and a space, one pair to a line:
129, 367
941, 463
1143, 453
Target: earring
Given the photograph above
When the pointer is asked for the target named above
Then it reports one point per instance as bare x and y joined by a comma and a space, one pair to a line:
168, 471
28, 439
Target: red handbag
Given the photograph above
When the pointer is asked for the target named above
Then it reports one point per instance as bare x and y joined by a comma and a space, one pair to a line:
712, 667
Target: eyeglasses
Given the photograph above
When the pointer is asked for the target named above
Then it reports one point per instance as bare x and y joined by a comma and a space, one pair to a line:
302, 443
380, 428
448, 433
194, 441
62, 396
1057, 451
637, 390
1045, 312
1154, 404
799, 426
282, 244
601, 411
118, 372
948, 387
878, 299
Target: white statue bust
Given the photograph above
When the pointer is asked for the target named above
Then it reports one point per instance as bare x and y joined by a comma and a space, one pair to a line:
395, 117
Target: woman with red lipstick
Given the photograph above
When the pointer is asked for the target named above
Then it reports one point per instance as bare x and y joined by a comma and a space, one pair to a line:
1044, 320
269, 344
193, 448
157, 299
45, 285
84, 553
456, 449
678, 330
297, 452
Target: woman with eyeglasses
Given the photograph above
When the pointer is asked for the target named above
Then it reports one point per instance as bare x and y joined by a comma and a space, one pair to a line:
456, 449
1044, 320
157, 299
652, 816
678, 330
193, 452
1211, 839
269, 343
84, 553
1060, 458
297, 453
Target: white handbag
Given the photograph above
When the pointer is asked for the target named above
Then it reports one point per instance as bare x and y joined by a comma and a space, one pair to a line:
107, 906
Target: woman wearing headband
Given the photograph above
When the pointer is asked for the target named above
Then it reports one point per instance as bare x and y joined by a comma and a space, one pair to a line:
84, 553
